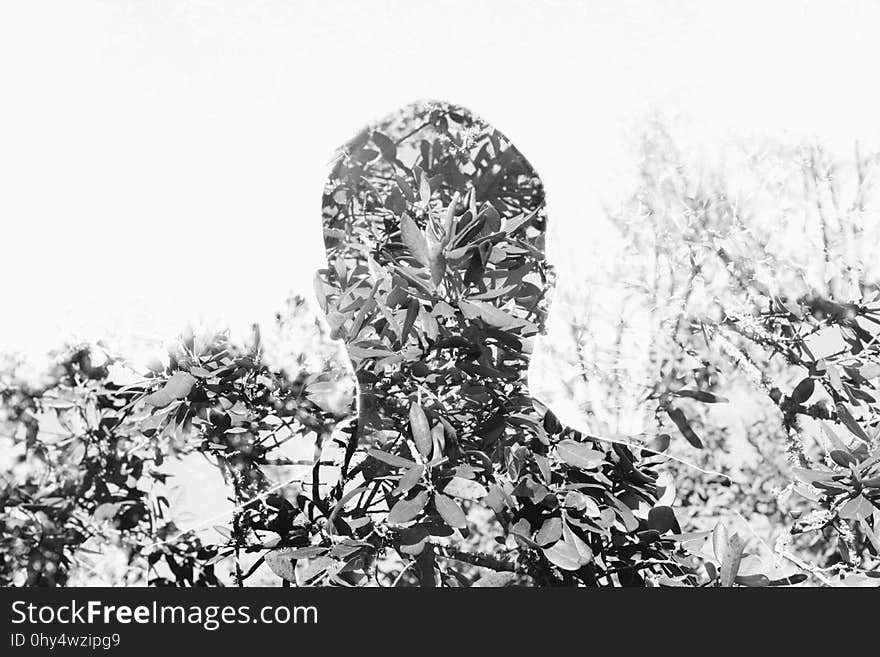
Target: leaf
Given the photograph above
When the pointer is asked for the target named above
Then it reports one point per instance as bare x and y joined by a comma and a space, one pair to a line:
659, 443
791, 580
466, 489
347, 548
497, 499
515, 224
430, 326
834, 375
752, 580
858, 508
363, 156
803, 391
438, 441
449, 511
684, 426
665, 485
386, 146
720, 539
495, 293
702, 396
436, 263
563, 555
390, 459
630, 522
833, 437
732, 559
337, 508
662, 518
405, 188
449, 219
579, 455
711, 571
522, 532
414, 549
841, 458
490, 314
850, 423
543, 464
550, 532
316, 568
495, 580
575, 500
76, 452
493, 219
670, 582
872, 534
409, 479
421, 430
530, 489
412, 311
584, 551
415, 240
421, 530
812, 476
283, 564
106, 511
406, 510
395, 202
178, 386
424, 188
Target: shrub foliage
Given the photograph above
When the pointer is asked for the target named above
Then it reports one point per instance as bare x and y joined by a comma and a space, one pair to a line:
450, 473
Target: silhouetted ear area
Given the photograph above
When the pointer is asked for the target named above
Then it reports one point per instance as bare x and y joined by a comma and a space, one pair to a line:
432, 219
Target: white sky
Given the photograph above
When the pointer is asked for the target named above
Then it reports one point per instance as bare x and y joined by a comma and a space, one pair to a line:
161, 162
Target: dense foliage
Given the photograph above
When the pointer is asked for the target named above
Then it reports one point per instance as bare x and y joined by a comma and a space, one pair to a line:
756, 283
449, 472
435, 226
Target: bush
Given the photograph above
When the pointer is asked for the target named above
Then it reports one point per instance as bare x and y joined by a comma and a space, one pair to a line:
450, 472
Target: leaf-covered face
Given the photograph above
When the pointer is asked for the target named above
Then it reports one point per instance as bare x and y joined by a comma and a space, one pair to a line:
434, 228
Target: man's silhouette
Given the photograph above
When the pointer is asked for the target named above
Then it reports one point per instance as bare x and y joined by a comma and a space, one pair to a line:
434, 226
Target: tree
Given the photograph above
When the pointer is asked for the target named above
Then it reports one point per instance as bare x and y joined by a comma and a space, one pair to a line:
759, 289
451, 473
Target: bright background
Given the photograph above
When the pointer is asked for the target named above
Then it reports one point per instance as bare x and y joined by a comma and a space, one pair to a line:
161, 162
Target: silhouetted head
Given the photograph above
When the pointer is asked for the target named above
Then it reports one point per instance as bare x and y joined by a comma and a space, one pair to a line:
434, 227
